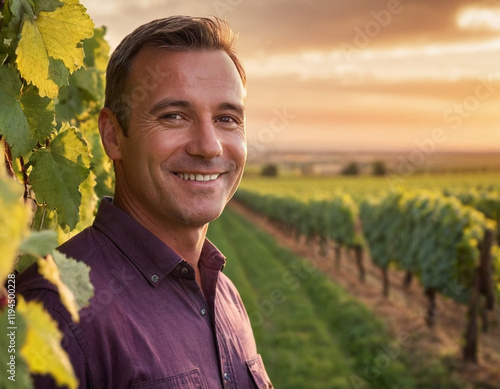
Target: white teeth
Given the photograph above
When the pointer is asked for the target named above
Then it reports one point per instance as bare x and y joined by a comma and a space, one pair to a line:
197, 177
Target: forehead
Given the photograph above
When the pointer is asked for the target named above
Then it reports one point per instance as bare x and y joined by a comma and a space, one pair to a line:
159, 70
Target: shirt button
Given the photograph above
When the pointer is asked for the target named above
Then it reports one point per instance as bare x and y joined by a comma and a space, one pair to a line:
155, 278
184, 270
203, 311
226, 377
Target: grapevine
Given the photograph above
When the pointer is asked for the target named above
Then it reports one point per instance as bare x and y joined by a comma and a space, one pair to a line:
52, 64
443, 241
333, 220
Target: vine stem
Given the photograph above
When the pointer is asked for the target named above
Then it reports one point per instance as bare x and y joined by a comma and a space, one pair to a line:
42, 219
2, 3
25, 179
8, 160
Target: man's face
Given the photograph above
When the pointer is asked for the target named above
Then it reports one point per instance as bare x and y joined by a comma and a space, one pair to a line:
185, 151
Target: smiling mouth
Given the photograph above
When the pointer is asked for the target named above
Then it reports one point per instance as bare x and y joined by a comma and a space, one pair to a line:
197, 177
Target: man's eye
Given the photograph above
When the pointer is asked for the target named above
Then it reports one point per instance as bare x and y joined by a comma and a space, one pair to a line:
229, 120
171, 116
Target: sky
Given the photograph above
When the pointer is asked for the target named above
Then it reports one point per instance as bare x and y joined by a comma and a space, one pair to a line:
353, 75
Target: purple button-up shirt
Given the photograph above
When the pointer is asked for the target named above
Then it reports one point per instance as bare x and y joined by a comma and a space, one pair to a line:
149, 325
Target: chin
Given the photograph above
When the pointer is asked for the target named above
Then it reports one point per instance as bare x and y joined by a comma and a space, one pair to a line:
201, 218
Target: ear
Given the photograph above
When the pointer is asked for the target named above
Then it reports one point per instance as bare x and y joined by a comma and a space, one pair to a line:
110, 131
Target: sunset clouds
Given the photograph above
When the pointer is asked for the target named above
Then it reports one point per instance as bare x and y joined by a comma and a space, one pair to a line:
361, 74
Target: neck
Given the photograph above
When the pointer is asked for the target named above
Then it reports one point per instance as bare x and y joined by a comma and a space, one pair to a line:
185, 240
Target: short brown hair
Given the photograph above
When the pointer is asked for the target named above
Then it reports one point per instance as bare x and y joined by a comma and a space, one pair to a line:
173, 33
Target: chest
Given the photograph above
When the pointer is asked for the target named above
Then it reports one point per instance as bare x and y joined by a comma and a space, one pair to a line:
170, 336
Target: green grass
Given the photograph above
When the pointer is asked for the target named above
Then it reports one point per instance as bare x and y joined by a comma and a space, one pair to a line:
310, 332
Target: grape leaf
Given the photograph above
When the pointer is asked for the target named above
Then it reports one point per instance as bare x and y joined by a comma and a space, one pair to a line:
72, 279
14, 223
6, 14
76, 276
71, 104
39, 112
33, 59
91, 81
83, 94
24, 120
58, 172
42, 349
97, 50
39, 243
58, 72
101, 164
70, 144
89, 202
49, 270
46, 5
13, 17
56, 35
24, 261
11, 115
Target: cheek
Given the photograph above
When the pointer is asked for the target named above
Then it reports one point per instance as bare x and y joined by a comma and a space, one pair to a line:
140, 155
237, 147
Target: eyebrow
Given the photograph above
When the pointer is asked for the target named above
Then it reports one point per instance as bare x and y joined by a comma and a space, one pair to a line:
238, 108
169, 103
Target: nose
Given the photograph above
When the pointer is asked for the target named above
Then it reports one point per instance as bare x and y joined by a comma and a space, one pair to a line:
204, 141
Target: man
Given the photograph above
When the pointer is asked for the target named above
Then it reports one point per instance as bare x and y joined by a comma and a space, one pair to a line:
163, 315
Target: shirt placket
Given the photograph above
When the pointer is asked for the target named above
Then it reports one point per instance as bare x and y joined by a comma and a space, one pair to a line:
194, 292
227, 369
205, 309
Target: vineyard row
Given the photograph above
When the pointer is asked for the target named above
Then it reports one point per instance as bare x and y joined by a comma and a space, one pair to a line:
441, 238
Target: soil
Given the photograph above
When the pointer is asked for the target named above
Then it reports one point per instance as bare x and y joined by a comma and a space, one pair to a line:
404, 310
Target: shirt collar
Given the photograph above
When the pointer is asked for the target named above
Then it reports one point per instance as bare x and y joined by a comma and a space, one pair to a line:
153, 258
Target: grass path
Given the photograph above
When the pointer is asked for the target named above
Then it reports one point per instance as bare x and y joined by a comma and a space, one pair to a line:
310, 332
295, 342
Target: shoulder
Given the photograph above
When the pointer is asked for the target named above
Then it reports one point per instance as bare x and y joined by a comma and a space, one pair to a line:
228, 291
31, 285
226, 283
83, 247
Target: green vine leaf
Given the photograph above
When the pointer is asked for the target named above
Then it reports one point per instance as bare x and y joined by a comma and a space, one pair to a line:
25, 119
47, 5
49, 270
85, 92
46, 45
90, 81
10, 110
97, 50
39, 243
12, 14
72, 279
102, 166
53, 35
76, 276
58, 171
89, 202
